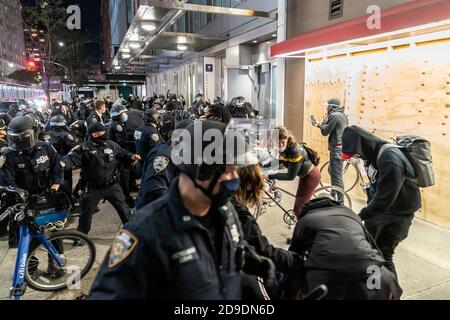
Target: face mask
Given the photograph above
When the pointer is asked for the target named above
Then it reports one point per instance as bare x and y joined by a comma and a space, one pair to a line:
101, 138
227, 190
125, 118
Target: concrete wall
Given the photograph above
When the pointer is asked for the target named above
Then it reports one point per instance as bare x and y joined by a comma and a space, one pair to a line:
239, 84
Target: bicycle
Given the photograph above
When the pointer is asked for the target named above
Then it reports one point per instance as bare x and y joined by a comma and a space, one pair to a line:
48, 257
274, 197
352, 173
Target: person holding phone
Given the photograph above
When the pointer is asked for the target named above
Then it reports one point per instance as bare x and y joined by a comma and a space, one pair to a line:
333, 126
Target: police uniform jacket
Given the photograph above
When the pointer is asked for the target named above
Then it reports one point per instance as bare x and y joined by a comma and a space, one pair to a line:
146, 138
94, 117
166, 253
158, 172
98, 161
118, 133
62, 140
296, 160
35, 171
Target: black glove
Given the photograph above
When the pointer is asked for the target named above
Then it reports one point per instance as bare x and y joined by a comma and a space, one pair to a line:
258, 265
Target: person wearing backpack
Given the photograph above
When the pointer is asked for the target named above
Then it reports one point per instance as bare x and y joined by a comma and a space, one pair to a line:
301, 162
393, 194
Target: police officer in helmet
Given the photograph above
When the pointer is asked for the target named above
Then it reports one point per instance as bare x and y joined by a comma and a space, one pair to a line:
28, 163
189, 243
148, 136
158, 171
98, 159
118, 133
63, 141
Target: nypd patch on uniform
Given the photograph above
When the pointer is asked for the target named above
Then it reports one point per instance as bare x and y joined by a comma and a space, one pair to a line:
160, 164
155, 137
123, 245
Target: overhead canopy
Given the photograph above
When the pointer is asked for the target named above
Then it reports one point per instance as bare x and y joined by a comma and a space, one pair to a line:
148, 47
396, 22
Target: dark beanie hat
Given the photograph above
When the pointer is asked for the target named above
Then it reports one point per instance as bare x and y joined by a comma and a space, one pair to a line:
96, 127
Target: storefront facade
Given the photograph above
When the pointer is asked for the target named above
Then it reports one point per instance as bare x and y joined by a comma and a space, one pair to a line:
392, 81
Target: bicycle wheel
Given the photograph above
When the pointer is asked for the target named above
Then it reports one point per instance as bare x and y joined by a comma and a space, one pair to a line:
327, 192
77, 251
350, 175
289, 218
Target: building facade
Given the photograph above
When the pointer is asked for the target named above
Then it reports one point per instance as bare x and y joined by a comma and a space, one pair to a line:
387, 61
12, 47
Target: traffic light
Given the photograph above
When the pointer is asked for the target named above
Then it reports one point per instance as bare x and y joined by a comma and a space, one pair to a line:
33, 65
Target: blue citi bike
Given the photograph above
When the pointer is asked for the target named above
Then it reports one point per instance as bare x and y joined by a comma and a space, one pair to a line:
48, 257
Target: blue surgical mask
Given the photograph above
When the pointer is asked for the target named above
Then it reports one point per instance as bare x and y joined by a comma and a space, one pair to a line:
125, 118
227, 189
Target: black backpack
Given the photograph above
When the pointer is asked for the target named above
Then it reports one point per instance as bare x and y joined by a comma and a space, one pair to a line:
418, 152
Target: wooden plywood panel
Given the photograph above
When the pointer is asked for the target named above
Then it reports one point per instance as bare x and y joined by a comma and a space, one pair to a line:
392, 94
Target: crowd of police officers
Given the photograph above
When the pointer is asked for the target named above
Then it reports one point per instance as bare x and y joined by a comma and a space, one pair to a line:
181, 238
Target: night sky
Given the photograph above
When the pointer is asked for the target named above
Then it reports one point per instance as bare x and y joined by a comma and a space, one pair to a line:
90, 22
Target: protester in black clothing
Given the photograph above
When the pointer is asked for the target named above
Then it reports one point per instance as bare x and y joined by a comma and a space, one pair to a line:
338, 253
393, 195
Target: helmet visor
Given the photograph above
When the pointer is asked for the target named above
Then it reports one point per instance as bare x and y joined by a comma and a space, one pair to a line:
21, 141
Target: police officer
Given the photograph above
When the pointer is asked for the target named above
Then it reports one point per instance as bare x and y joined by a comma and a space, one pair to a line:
78, 130
3, 135
3, 146
98, 114
158, 171
63, 141
118, 133
148, 136
65, 110
98, 159
28, 163
83, 111
188, 244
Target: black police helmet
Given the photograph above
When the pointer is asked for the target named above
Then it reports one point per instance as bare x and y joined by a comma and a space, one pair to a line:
238, 102
233, 150
58, 121
22, 133
153, 116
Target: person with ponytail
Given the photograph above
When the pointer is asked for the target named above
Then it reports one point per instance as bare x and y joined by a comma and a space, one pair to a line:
301, 162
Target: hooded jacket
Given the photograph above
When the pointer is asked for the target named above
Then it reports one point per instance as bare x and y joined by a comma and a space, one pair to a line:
393, 190
334, 127
331, 238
